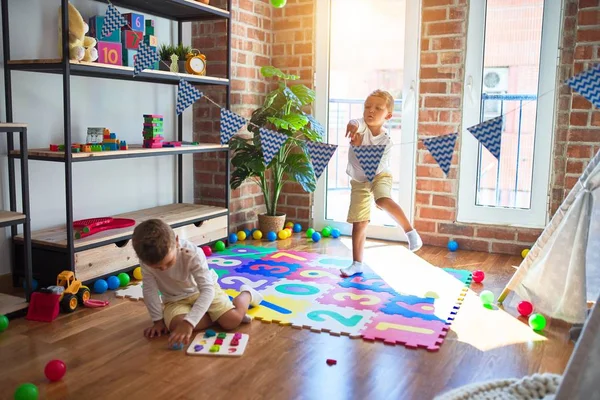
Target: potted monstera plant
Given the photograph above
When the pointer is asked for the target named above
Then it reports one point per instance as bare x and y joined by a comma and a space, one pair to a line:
283, 111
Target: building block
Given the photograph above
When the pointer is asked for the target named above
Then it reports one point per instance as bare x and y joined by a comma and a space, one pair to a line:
135, 21
110, 53
96, 24
209, 333
149, 26
131, 39
151, 40
129, 57
53, 147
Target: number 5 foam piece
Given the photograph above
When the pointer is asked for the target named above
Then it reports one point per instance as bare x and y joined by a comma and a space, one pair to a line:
109, 53
96, 24
234, 345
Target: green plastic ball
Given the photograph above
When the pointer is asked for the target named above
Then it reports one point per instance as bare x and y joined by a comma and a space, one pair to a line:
486, 297
537, 322
26, 391
309, 232
123, 279
278, 3
326, 232
3, 323
220, 246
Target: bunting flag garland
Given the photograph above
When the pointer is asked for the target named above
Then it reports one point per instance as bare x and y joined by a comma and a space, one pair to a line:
231, 123
369, 158
587, 84
186, 95
271, 142
320, 154
489, 134
442, 149
112, 21
146, 57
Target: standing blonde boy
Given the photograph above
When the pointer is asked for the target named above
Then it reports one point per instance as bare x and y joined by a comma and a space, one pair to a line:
193, 300
366, 131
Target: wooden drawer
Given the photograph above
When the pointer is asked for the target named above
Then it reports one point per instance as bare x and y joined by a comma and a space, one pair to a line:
104, 260
206, 231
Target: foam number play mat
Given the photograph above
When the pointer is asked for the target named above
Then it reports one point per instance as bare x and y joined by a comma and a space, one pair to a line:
306, 291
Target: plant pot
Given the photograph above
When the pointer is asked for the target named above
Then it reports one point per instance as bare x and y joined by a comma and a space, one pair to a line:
268, 223
167, 67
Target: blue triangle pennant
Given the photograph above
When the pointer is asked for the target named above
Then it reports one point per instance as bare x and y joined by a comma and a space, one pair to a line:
112, 21
489, 134
146, 57
271, 142
587, 84
320, 154
230, 125
369, 158
186, 96
442, 149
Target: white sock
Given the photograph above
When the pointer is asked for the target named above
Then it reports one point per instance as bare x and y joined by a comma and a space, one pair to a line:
414, 240
355, 268
255, 297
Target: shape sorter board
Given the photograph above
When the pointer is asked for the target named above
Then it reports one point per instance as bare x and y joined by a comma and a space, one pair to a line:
306, 291
201, 345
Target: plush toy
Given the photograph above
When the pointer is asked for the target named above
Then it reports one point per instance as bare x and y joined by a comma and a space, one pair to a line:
81, 47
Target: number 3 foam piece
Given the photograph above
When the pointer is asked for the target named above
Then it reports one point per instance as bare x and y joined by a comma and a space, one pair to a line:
234, 345
110, 53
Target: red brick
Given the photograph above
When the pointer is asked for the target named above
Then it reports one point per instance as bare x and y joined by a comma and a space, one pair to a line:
587, 3
435, 3
423, 198
444, 214
434, 239
303, 48
439, 186
457, 13
580, 103
436, 73
452, 102
435, 129
596, 120
473, 244
588, 35
433, 87
447, 43
428, 115
438, 14
443, 201
507, 248
451, 58
429, 58
583, 52
574, 167
570, 181
529, 236
424, 226
496, 233
589, 17
579, 151
456, 229
579, 118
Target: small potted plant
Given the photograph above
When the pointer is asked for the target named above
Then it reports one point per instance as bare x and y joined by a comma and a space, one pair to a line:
282, 111
167, 50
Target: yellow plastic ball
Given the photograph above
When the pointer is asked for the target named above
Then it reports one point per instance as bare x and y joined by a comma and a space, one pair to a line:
137, 273
241, 235
290, 224
524, 253
257, 235
282, 234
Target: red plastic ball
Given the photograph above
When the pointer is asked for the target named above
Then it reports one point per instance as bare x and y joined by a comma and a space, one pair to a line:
478, 276
207, 250
525, 308
55, 370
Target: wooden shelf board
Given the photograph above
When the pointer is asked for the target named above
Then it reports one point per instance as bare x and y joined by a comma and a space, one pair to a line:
4, 125
172, 214
7, 217
134, 151
180, 10
10, 304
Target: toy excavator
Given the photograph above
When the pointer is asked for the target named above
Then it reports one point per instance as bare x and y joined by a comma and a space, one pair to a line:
68, 292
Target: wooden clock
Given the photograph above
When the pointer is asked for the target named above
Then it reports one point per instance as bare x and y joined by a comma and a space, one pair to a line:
195, 64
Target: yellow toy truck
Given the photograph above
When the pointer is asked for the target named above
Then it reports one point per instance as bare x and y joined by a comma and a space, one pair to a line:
72, 292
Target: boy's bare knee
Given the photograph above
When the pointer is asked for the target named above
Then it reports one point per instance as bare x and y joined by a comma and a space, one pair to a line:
381, 201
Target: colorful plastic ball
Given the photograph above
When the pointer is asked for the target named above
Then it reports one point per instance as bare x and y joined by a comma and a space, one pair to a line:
309, 232
525, 308
123, 279
100, 286
3, 323
487, 297
220, 246
537, 322
297, 228
335, 233
282, 234
257, 235
289, 224
232, 238
453, 245
478, 276
248, 232
524, 253
289, 231
207, 251
137, 273
241, 235
326, 232
278, 3
271, 236
27, 391
316, 236
113, 282
55, 370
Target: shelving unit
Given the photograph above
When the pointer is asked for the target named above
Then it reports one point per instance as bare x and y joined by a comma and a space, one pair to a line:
8, 303
109, 252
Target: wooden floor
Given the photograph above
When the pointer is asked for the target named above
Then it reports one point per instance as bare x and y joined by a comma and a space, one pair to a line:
107, 356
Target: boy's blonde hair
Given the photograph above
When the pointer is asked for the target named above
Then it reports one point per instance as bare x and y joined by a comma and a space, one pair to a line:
152, 240
389, 100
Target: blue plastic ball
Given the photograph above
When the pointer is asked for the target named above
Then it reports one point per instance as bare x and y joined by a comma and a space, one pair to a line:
335, 233
34, 284
297, 228
248, 232
113, 282
232, 238
271, 236
100, 286
316, 237
452, 245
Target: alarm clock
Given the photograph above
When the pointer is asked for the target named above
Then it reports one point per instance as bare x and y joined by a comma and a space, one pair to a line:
195, 64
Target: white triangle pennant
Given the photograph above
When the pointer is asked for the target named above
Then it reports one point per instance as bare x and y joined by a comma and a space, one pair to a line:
369, 158
231, 123
186, 95
271, 142
320, 154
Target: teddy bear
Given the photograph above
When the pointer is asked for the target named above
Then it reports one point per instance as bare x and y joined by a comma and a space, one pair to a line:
81, 47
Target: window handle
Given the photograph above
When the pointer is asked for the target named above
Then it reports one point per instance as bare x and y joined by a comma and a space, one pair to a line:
470, 89
410, 96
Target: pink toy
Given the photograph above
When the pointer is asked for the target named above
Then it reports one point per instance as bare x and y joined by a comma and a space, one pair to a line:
525, 308
207, 250
91, 303
55, 370
478, 276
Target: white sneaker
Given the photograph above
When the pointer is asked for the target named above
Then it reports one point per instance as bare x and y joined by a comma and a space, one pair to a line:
414, 240
355, 268
255, 297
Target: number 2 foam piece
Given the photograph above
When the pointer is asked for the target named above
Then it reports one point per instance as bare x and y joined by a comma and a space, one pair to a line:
233, 345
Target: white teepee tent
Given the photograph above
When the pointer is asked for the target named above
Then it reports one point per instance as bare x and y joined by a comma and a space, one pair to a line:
561, 273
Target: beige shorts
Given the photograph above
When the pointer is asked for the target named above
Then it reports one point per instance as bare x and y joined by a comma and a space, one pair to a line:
219, 306
360, 197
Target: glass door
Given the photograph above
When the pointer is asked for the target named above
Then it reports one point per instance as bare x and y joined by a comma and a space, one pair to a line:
363, 45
